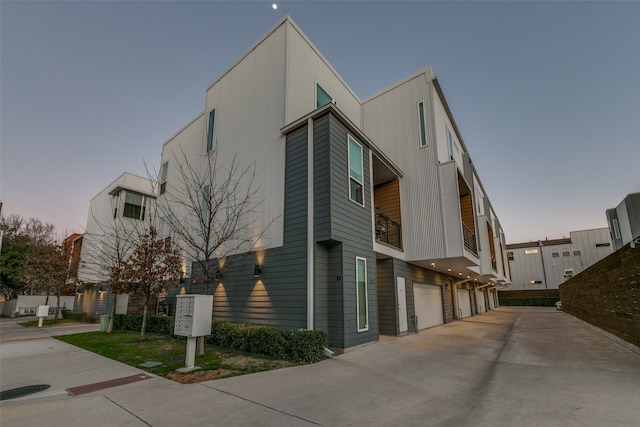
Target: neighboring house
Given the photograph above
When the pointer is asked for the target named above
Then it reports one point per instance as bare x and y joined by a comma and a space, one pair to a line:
545, 264
624, 221
378, 222
115, 217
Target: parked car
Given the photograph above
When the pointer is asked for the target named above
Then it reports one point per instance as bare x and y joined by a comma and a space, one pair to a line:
558, 305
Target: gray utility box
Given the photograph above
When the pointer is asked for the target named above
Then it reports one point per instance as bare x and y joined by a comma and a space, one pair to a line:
193, 315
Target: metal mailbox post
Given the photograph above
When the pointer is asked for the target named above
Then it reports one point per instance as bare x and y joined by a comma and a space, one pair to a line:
193, 319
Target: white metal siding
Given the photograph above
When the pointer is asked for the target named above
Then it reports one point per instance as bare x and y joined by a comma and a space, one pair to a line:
305, 66
250, 111
464, 302
390, 119
428, 305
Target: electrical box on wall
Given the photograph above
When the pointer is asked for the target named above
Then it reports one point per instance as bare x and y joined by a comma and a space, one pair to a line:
193, 315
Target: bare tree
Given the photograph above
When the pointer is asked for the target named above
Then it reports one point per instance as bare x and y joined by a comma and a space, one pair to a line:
152, 268
105, 255
46, 268
212, 210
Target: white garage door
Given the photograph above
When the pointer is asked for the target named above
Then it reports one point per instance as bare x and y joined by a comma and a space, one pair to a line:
492, 302
428, 305
482, 307
464, 302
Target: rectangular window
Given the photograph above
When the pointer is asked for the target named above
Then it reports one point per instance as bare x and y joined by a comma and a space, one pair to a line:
566, 251
568, 273
356, 175
322, 97
577, 251
555, 252
450, 143
602, 245
422, 123
361, 285
163, 177
510, 256
616, 228
212, 119
205, 203
133, 205
531, 251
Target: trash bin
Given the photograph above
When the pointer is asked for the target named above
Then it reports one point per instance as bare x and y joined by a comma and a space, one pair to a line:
104, 323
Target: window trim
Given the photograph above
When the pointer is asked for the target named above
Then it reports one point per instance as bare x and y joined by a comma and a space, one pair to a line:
366, 299
315, 95
211, 130
422, 125
349, 139
142, 206
450, 142
163, 177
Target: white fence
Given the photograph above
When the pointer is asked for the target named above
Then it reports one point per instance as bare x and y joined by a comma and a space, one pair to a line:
27, 305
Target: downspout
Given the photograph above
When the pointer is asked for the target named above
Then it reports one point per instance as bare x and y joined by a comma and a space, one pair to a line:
310, 228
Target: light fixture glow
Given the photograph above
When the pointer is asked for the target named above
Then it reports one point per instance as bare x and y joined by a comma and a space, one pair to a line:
274, 6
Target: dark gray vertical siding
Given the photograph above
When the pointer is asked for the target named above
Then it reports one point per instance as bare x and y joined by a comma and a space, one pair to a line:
351, 225
278, 297
387, 304
321, 289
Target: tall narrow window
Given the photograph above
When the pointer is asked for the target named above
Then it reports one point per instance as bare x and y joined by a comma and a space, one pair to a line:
356, 176
205, 204
133, 205
322, 97
361, 288
212, 119
163, 177
422, 123
616, 229
450, 143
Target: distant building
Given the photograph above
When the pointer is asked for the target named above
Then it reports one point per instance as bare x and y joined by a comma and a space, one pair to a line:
114, 215
624, 221
545, 264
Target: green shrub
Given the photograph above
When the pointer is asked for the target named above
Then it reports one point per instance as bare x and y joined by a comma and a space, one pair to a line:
80, 316
528, 302
301, 345
307, 346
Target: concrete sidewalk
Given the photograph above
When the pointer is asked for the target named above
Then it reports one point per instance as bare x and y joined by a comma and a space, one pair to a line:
512, 366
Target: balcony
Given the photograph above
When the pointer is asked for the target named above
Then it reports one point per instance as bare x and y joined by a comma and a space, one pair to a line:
469, 239
388, 231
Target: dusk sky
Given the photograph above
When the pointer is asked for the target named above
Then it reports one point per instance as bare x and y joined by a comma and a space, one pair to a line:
545, 94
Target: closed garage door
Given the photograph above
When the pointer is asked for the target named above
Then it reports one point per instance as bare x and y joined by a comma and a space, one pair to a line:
464, 302
492, 302
428, 304
481, 301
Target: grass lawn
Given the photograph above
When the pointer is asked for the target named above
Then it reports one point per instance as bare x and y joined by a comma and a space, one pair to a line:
170, 353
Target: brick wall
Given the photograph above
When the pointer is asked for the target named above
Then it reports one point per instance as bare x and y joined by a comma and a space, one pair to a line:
607, 294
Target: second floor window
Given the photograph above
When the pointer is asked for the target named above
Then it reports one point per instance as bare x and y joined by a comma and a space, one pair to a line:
134, 206
356, 176
212, 119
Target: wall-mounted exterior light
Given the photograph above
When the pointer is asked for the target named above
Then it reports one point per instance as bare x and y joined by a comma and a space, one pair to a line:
257, 270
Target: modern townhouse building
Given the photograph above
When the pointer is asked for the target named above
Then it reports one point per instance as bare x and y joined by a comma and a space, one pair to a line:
373, 218
624, 221
545, 264
116, 215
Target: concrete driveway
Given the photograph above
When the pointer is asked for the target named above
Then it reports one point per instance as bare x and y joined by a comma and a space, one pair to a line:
508, 367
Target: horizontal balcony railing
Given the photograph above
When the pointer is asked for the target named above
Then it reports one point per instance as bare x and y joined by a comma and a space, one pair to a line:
469, 239
388, 231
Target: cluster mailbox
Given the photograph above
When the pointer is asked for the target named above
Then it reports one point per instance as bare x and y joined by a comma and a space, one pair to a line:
193, 315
